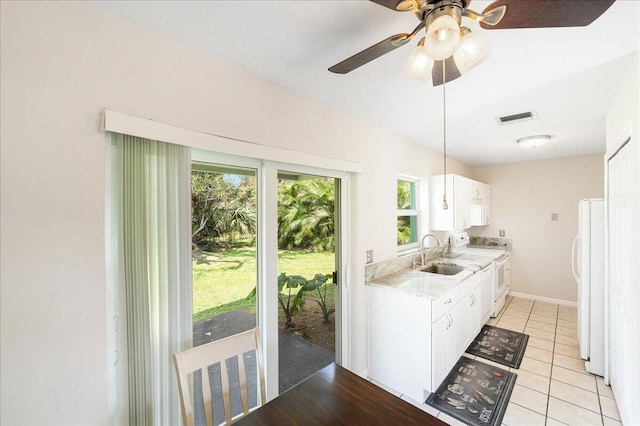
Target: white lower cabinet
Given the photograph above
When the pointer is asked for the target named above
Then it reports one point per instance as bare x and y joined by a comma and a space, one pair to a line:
400, 341
444, 346
415, 341
469, 318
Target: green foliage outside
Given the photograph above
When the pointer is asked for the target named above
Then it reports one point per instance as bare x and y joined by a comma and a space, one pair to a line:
292, 290
223, 279
406, 224
306, 214
224, 212
223, 234
223, 209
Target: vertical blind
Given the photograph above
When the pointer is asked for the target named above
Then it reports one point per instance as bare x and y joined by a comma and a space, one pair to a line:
154, 233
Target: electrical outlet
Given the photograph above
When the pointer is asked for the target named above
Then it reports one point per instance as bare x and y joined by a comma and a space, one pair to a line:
369, 256
554, 216
502, 233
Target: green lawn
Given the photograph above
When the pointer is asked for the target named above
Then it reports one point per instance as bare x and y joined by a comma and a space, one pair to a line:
223, 279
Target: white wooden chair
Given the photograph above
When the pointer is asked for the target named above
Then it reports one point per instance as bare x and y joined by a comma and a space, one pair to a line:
201, 357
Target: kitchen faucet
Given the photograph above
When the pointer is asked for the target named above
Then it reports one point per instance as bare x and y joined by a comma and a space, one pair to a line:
440, 244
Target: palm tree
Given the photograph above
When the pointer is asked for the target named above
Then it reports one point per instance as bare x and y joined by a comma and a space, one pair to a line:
306, 214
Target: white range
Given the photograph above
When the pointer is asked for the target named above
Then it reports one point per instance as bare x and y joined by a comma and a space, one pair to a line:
460, 251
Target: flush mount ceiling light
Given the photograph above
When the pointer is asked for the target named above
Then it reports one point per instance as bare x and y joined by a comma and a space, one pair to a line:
533, 141
447, 42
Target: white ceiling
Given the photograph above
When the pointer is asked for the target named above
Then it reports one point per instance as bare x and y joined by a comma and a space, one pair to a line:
568, 75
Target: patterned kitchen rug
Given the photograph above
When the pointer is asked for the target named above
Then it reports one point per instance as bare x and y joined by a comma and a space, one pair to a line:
499, 345
475, 393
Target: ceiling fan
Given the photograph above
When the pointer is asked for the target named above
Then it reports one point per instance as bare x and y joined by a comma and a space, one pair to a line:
448, 49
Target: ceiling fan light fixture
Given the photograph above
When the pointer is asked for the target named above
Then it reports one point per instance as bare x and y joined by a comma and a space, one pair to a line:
419, 65
443, 33
533, 141
471, 52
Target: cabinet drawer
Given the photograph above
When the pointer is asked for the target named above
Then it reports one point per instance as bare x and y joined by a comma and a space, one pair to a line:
440, 306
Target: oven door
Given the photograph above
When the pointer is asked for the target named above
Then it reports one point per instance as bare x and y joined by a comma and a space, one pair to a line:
502, 275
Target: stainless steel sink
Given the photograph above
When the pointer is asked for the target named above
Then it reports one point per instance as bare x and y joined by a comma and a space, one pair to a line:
442, 269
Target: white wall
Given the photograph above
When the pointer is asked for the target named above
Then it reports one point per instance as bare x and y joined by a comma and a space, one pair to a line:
523, 196
61, 64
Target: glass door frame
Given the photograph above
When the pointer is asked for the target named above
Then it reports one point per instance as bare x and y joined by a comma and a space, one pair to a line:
267, 253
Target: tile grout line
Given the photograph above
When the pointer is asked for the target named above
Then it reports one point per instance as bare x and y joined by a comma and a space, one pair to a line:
599, 402
553, 354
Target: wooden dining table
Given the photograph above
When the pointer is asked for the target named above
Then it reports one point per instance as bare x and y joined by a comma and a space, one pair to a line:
336, 396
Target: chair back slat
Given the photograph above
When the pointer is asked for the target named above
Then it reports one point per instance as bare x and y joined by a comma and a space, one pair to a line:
206, 396
226, 394
218, 352
244, 395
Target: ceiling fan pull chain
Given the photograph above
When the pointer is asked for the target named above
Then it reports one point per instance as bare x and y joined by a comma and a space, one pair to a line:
445, 205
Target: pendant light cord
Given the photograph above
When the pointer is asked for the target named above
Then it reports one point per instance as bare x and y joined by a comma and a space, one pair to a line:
445, 205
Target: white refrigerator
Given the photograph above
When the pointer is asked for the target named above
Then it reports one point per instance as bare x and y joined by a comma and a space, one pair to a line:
588, 270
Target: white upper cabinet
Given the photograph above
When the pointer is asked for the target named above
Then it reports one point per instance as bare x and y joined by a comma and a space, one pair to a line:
468, 202
480, 203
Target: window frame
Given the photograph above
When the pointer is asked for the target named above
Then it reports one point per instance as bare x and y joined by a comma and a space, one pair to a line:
412, 213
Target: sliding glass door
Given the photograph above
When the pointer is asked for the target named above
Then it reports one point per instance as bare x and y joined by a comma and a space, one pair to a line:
266, 252
307, 275
224, 237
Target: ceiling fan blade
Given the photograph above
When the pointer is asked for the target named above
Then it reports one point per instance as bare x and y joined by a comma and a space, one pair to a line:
375, 51
391, 4
490, 17
370, 53
450, 69
547, 13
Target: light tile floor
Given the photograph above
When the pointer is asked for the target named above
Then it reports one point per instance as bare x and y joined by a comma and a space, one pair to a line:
552, 387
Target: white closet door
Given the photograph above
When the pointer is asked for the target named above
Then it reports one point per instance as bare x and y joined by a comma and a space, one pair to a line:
623, 195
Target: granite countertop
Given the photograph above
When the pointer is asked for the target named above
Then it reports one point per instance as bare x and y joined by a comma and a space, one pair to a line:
434, 286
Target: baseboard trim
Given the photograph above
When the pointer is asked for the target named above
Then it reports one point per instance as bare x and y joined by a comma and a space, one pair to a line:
543, 299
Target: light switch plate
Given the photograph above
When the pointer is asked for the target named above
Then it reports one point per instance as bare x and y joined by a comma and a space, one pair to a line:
369, 256
502, 233
554, 216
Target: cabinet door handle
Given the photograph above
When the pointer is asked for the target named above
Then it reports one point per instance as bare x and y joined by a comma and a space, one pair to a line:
446, 302
472, 301
451, 316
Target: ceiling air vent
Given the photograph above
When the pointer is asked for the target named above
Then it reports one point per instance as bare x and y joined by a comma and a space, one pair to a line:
516, 118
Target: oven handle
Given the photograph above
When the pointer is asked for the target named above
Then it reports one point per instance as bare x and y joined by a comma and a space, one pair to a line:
502, 260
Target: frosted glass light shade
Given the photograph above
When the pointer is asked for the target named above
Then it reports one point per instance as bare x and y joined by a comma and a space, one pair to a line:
471, 51
533, 141
419, 65
443, 38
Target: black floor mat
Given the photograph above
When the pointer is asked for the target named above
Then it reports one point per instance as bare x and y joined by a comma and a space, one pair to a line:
475, 393
505, 347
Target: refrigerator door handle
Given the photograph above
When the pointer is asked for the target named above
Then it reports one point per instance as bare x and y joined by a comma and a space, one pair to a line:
574, 257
